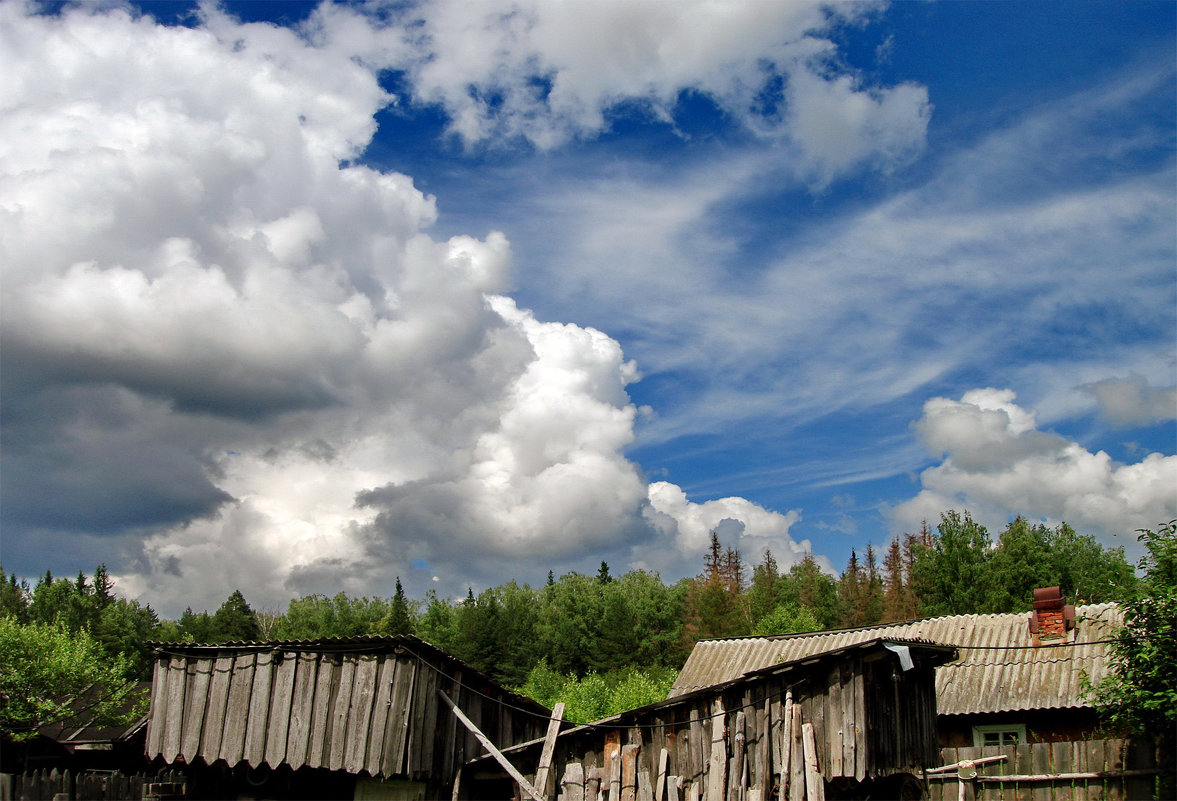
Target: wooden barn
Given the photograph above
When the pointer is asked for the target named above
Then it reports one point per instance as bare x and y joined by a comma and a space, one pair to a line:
357, 718
1014, 698
847, 723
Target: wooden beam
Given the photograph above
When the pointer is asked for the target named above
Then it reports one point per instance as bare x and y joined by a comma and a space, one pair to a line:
543, 777
815, 789
494, 752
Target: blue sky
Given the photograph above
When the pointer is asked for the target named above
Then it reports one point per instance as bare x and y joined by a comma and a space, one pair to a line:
302, 298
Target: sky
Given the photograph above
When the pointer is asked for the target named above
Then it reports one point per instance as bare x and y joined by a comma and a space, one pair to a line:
303, 298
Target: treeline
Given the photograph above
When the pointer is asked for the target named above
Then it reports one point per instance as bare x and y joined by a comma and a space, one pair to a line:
578, 625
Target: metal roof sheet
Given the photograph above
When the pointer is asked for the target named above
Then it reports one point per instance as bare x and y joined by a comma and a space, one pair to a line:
998, 669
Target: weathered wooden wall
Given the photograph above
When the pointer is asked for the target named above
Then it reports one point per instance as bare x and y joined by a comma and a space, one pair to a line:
1058, 771
374, 712
48, 785
864, 718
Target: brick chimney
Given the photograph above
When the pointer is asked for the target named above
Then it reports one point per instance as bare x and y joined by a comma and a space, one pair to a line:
1052, 617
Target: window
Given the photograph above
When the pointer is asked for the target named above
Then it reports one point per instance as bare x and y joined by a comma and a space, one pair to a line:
999, 734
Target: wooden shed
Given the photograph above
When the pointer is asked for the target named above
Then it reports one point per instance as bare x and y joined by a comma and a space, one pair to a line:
354, 718
847, 723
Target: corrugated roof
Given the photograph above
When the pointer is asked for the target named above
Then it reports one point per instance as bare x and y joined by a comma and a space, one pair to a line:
997, 670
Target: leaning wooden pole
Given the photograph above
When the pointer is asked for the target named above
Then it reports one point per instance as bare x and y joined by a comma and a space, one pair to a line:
494, 752
543, 771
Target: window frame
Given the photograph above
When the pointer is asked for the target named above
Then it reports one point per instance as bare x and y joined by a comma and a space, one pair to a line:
1002, 729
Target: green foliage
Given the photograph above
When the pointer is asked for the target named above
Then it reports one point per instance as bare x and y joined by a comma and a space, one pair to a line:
14, 597
598, 695
788, 618
45, 668
949, 576
398, 620
1140, 694
119, 626
314, 617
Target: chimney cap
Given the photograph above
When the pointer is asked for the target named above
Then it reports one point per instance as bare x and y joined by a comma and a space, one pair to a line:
1048, 598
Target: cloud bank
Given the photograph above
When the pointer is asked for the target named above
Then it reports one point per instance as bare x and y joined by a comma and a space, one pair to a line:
997, 463
235, 358
547, 73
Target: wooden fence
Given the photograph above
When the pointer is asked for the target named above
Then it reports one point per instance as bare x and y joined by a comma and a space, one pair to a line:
1087, 770
54, 785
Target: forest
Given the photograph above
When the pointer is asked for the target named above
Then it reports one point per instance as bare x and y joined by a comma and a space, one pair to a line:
601, 643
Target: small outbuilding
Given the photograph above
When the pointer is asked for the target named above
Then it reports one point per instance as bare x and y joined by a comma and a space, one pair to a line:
845, 723
334, 718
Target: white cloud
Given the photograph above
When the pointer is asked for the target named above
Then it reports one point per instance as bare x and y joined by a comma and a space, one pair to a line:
997, 463
1132, 401
550, 72
685, 529
221, 337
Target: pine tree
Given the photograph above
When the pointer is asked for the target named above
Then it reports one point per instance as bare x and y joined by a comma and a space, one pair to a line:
898, 602
851, 593
234, 621
872, 595
398, 620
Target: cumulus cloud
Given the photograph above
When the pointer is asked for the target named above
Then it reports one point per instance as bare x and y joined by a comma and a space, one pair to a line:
1132, 401
997, 463
223, 337
550, 72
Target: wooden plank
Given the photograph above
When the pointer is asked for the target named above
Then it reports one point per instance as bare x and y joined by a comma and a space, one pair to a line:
199, 675
592, 777
496, 753
543, 773
830, 735
381, 708
259, 710
360, 716
326, 686
302, 705
697, 760
854, 750
237, 708
613, 765
763, 779
218, 697
572, 784
397, 728
333, 751
156, 721
660, 775
645, 785
427, 747
783, 741
282, 699
814, 785
796, 767
629, 772
717, 768
737, 763
173, 731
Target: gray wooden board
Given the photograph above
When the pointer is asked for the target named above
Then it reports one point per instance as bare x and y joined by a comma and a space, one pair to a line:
319, 725
381, 708
218, 697
177, 681
237, 709
302, 700
392, 761
282, 698
199, 678
339, 715
360, 716
259, 710
155, 717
